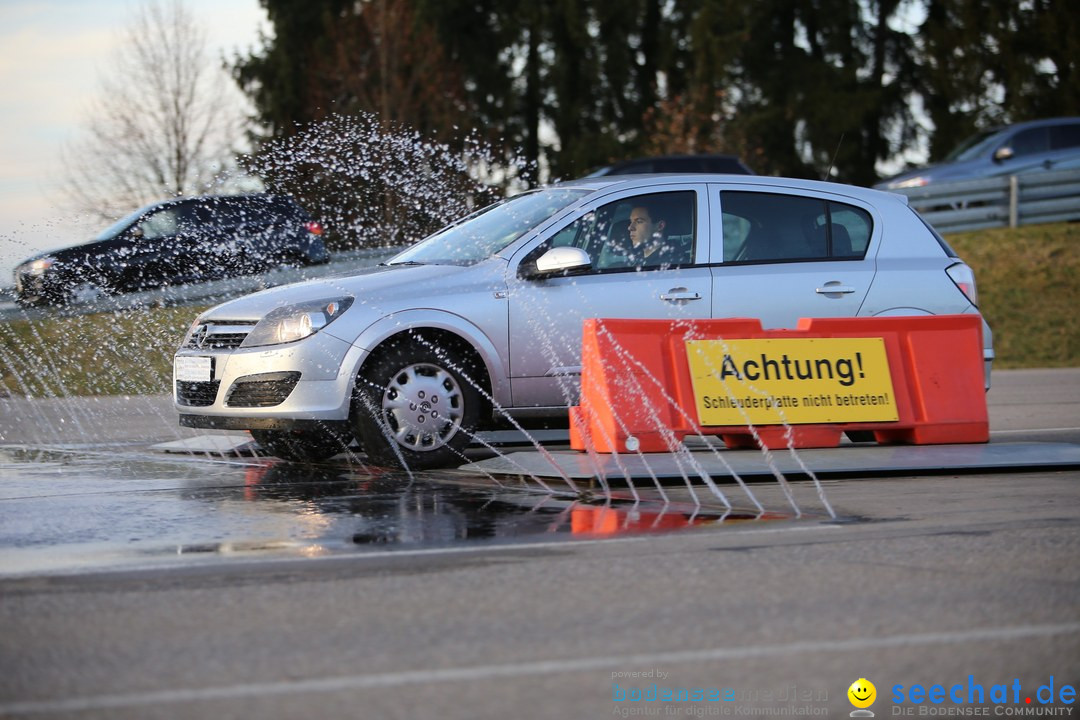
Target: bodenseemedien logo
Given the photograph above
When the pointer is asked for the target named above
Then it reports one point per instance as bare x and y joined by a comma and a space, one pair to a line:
862, 694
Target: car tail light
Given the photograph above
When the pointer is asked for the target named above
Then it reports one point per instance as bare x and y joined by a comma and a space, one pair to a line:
964, 278
313, 227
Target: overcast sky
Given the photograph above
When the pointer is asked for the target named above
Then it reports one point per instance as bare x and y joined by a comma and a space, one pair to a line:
52, 53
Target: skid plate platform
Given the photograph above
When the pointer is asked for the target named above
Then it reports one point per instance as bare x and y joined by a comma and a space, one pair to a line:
844, 461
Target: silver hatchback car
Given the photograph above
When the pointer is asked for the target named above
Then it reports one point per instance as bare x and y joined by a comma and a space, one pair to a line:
481, 322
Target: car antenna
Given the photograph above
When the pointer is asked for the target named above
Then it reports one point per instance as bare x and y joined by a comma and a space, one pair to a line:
831, 164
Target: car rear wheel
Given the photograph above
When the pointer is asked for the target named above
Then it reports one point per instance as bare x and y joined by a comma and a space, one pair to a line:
416, 406
301, 445
87, 291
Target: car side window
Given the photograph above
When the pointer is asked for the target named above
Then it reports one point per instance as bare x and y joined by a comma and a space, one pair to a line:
161, 224
1065, 136
678, 165
1031, 141
646, 232
191, 218
850, 228
770, 227
218, 213
643, 232
634, 168
238, 212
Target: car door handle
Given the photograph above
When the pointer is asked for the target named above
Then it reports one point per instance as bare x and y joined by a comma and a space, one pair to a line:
680, 295
830, 289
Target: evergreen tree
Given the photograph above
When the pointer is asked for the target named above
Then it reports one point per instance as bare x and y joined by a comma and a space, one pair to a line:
795, 87
985, 63
277, 78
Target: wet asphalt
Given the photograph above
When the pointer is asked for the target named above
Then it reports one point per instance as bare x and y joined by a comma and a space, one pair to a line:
135, 583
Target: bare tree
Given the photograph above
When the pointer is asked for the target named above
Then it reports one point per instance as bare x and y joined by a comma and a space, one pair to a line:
165, 122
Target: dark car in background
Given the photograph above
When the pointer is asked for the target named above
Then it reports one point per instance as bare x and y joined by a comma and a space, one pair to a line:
1035, 146
176, 242
719, 164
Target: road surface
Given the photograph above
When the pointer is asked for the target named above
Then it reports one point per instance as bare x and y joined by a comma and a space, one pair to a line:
967, 581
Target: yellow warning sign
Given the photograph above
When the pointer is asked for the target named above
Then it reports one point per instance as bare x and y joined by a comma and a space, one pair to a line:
791, 380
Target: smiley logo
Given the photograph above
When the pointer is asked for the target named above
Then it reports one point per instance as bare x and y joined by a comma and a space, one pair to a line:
862, 693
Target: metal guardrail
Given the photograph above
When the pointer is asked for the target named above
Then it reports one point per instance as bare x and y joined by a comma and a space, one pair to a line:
1005, 201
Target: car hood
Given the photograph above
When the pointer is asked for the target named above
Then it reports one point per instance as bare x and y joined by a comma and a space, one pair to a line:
383, 289
61, 254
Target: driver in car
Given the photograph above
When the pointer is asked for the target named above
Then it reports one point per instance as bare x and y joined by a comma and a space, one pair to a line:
649, 242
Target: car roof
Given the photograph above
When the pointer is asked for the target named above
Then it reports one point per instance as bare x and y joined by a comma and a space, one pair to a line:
755, 182
254, 197
1042, 122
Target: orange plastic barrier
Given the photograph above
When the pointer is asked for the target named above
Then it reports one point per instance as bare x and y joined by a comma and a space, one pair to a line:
646, 384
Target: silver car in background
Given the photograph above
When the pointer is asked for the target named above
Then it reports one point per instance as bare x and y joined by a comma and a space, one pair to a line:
482, 321
1027, 147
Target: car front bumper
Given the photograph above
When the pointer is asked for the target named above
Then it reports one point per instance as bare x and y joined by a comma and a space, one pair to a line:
322, 392
32, 287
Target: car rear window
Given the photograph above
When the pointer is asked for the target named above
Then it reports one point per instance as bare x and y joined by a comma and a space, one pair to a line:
773, 227
288, 208
246, 210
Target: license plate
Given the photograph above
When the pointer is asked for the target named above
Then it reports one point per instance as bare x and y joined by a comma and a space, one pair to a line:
193, 369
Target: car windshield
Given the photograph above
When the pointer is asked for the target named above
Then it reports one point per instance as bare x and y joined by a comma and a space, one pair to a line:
120, 225
484, 233
975, 146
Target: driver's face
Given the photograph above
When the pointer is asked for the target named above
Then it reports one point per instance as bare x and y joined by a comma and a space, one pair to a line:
641, 226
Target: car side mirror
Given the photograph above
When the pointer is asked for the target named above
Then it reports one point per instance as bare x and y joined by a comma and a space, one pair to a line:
1003, 153
558, 261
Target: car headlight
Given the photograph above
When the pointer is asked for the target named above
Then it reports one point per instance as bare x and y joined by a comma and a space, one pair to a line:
39, 266
917, 181
191, 331
296, 322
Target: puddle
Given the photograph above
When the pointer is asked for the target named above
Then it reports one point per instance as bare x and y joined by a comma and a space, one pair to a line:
73, 508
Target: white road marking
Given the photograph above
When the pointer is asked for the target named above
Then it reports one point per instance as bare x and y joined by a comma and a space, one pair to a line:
543, 667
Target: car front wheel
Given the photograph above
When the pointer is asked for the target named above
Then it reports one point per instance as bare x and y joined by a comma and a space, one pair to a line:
89, 290
416, 406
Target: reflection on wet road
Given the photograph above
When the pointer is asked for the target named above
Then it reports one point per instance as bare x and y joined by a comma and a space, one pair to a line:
84, 507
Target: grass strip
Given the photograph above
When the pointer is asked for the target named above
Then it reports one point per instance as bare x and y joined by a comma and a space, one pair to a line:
1029, 291
121, 353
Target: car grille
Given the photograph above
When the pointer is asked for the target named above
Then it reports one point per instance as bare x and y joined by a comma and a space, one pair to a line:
265, 390
28, 283
219, 336
196, 394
